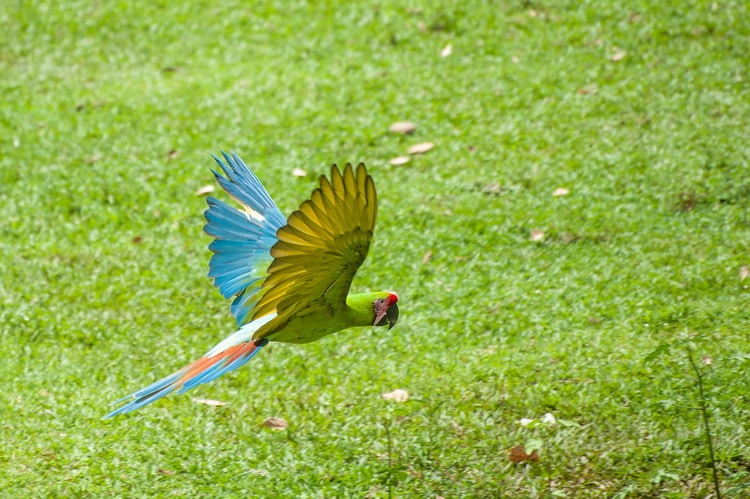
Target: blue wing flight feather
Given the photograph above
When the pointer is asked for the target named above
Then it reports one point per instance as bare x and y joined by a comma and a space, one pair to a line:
242, 237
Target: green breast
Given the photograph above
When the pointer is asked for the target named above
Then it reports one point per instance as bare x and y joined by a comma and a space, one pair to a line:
312, 324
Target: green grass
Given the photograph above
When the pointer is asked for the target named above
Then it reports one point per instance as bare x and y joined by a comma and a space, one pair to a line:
110, 111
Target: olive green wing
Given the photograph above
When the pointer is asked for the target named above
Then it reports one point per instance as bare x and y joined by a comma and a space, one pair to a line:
321, 247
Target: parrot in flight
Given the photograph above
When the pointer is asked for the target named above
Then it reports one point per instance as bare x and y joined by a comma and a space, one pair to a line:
290, 278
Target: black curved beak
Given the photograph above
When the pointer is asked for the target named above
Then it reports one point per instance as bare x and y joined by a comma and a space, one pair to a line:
392, 315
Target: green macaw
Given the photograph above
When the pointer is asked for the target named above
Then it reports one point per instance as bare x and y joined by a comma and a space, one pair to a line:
290, 278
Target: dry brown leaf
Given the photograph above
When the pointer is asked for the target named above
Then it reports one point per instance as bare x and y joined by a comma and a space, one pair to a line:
420, 148
588, 89
400, 160
275, 423
173, 154
299, 172
427, 256
518, 455
536, 235
206, 189
744, 272
447, 50
492, 188
561, 191
164, 472
397, 395
634, 17
403, 127
212, 403
618, 56
137, 239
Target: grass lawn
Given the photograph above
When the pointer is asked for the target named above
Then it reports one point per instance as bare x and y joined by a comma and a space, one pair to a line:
516, 301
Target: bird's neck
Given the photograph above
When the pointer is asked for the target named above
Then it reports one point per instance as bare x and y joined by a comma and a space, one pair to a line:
361, 311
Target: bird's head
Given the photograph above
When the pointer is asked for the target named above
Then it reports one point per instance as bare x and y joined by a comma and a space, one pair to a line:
385, 309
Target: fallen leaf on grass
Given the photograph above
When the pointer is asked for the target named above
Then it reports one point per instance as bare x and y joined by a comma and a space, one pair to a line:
420, 148
164, 472
173, 154
561, 191
618, 56
275, 423
536, 235
493, 188
299, 172
518, 455
447, 50
744, 272
635, 17
427, 256
397, 395
400, 160
206, 189
403, 127
589, 89
137, 239
212, 403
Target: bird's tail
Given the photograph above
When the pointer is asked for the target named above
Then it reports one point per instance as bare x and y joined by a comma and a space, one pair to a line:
227, 356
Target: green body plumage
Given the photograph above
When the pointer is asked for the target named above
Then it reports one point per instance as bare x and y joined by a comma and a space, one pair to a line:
322, 319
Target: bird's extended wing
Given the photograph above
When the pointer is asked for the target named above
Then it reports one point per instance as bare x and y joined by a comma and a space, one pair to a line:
243, 237
322, 245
